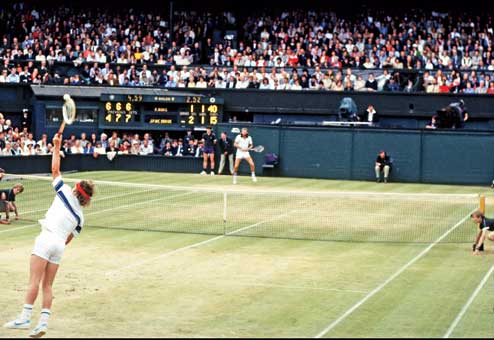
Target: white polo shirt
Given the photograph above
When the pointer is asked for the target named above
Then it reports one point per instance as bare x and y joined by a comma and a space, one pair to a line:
65, 214
243, 143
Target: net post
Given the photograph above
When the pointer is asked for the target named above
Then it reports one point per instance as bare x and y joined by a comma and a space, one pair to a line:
482, 204
225, 199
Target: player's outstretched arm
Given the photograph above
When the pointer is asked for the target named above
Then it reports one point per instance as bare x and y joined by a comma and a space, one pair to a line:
55, 159
480, 240
15, 210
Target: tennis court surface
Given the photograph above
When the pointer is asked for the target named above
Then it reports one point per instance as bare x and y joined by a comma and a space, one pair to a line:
181, 255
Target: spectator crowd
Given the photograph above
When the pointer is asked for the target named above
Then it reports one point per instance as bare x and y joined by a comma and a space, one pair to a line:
283, 50
21, 142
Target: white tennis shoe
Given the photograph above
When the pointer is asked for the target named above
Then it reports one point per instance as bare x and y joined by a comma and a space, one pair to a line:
18, 324
203, 172
39, 330
254, 179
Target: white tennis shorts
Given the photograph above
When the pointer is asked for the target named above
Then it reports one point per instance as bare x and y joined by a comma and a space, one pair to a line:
49, 247
243, 154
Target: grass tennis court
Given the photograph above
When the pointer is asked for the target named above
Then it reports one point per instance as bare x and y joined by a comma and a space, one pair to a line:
116, 281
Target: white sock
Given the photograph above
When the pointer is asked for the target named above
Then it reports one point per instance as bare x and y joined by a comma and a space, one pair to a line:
253, 174
45, 315
27, 311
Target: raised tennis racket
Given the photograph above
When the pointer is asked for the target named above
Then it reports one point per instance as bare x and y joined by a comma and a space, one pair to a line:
68, 112
258, 148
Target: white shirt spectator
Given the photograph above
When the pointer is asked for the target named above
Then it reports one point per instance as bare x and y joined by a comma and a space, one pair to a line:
8, 151
100, 150
13, 78
265, 86
201, 84
77, 148
145, 150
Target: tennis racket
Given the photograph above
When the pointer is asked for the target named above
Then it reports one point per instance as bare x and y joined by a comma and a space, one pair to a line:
68, 112
258, 148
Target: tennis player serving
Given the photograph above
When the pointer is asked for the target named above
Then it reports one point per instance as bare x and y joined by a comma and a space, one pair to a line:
244, 144
62, 222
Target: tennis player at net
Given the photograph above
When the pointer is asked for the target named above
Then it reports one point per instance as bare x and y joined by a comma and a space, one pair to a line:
485, 225
62, 222
243, 143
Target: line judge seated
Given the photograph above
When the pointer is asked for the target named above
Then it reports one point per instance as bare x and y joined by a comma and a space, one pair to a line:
383, 165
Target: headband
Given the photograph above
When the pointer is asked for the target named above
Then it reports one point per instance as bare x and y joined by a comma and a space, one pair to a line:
82, 192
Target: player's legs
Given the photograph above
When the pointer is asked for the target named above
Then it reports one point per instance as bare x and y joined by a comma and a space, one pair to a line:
252, 168
211, 158
235, 169
251, 164
222, 163
4, 206
48, 278
230, 163
386, 173
53, 252
36, 272
47, 284
378, 173
237, 164
204, 163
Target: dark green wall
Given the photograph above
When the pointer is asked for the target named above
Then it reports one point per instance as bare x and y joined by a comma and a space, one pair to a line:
453, 157
332, 153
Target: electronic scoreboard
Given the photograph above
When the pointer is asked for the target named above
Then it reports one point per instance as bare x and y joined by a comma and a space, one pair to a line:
158, 112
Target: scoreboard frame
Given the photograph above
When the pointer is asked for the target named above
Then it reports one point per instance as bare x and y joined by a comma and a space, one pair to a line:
159, 112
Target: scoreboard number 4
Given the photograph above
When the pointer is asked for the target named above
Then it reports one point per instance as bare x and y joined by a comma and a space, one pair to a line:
204, 108
116, 114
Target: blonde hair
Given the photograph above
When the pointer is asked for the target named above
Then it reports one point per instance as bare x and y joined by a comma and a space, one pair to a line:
89, 188
477, 214
19, 186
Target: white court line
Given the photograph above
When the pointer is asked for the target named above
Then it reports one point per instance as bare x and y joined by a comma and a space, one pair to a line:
391, 278
198, 244
18, 228
469, 302
269, 285
106, 210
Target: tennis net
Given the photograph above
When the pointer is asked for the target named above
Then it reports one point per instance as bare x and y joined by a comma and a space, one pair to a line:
325, 216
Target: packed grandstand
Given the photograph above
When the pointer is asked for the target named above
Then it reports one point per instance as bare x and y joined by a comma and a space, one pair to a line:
413, 51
